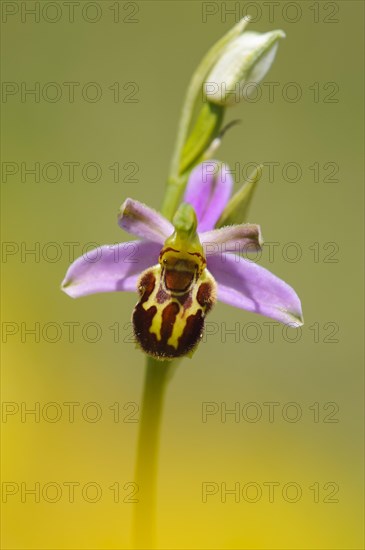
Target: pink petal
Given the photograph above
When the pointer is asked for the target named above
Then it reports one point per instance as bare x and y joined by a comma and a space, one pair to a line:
234, 238
244, 284
208, 191
110, 268
138, 219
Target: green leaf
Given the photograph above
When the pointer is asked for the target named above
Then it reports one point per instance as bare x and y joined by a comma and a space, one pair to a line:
206, 128
237, 208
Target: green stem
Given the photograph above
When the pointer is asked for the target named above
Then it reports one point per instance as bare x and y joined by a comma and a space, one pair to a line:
157, 376
158, 373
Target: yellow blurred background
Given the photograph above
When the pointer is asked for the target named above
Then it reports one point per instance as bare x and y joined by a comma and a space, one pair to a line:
108, 80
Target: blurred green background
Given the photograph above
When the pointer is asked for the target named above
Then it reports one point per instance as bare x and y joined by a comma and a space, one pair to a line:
150, 48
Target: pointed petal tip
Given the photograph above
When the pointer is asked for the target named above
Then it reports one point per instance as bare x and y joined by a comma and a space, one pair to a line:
297, 318
122, 206
68, 287
128, 207
124, 209
295, 311
260, 238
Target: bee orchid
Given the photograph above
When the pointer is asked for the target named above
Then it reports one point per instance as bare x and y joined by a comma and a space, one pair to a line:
181, 268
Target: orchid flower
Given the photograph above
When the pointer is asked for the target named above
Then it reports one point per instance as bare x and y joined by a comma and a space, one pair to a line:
181, 268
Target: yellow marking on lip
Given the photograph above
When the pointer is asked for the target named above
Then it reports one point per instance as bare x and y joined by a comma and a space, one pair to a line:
195, 307
184, 313
156, 325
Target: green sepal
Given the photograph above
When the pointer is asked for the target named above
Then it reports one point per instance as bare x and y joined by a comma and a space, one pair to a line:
237, 208
206, 128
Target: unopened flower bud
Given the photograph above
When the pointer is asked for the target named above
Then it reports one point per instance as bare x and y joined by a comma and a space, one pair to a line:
245, 60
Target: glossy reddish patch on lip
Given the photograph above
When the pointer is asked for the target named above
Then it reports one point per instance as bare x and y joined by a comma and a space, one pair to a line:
178, 281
